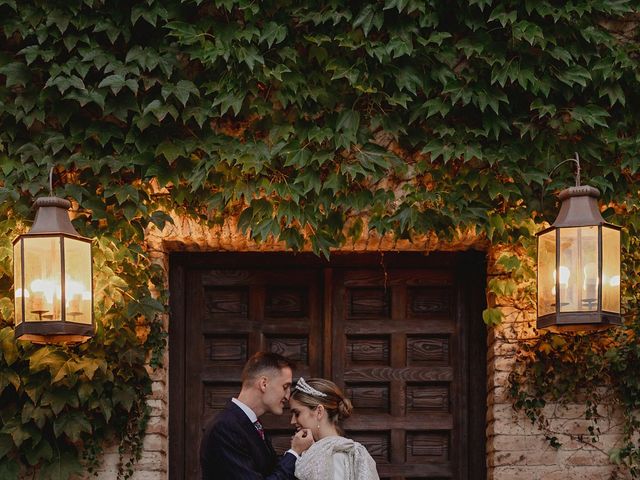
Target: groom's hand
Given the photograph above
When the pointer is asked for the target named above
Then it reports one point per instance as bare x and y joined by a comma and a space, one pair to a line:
302, 440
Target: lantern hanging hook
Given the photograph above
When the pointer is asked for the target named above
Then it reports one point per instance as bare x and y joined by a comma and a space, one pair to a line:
51, 181
575, 160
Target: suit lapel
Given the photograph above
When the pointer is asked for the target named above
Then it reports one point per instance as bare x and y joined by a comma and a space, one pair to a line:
263, 445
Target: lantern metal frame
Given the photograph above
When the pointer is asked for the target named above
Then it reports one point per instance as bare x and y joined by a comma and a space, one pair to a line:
579, 208
52, 221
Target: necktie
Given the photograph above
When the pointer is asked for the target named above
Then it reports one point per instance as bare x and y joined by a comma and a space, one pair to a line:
259, 428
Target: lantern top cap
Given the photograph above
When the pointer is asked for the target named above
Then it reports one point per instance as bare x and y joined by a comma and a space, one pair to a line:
579, 207
52, 217
579, 191
52, 202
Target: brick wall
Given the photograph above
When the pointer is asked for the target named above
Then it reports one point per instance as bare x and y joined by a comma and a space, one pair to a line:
516, 450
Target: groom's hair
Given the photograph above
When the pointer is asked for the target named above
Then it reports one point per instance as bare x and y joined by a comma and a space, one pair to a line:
262, 363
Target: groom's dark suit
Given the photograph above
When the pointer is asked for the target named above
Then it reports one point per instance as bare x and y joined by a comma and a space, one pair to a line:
232, 449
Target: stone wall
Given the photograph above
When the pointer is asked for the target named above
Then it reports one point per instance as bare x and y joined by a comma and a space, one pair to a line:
516, 450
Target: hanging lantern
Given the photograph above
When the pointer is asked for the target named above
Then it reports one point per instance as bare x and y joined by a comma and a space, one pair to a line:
579, 265
53, 278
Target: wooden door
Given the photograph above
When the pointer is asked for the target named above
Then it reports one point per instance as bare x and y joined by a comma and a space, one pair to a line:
396, 331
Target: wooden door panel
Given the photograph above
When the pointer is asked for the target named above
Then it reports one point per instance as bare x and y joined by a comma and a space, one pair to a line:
398, 330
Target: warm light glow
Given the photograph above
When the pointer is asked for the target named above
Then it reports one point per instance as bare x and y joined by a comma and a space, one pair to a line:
75, 292
590, 281
74, 287
48, 288
565, 274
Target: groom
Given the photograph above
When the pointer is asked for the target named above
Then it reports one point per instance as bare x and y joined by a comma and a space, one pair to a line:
234, 446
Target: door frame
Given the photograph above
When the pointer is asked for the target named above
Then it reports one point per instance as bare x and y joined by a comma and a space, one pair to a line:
470, 277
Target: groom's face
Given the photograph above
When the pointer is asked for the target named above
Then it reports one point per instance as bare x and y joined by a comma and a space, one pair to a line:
278, 390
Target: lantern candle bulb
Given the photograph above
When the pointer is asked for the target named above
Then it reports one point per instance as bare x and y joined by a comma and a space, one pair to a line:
37, 303
74, 304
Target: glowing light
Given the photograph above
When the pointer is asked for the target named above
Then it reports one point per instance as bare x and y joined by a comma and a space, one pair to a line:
590, 280
20, 293
73, 288
48, 288
565, 274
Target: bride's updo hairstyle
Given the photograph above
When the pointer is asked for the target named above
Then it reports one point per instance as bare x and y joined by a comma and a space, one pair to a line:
319, 391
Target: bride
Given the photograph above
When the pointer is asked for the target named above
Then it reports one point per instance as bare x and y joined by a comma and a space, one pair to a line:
319, 405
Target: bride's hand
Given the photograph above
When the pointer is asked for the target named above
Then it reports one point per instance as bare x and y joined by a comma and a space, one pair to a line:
302, 440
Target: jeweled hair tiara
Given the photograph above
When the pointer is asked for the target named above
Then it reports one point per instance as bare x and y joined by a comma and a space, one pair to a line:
304, 387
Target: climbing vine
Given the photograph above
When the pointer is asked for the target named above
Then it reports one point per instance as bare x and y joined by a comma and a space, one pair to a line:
309, 123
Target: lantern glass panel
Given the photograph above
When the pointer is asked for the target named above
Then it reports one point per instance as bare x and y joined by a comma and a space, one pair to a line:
578, 269
610, 269
77, 280
42, 278
18, 289
546, 269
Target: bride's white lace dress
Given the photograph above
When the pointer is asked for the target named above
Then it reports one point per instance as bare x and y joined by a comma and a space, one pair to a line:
336, 458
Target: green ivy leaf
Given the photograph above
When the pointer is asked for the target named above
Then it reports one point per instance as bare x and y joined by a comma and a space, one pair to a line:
509, 262
504, 287
8, 348
169, 150
71, 424
492, 316
366, 19
9, 377
46, 358
124, 396
18, 432
528, 31
184, 89
9, 468
63, 466
116, 82
59, 398
16, 73
38, 414
614, 93
273, 33
590, 115
6, 445
36, 454
574, 75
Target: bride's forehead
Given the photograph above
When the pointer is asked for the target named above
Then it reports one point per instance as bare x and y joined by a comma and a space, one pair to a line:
295, 405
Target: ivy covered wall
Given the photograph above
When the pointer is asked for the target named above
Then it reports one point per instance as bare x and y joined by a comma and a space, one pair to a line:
309, 123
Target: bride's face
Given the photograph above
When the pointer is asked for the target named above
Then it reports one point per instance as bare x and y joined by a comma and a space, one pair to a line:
303, 416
